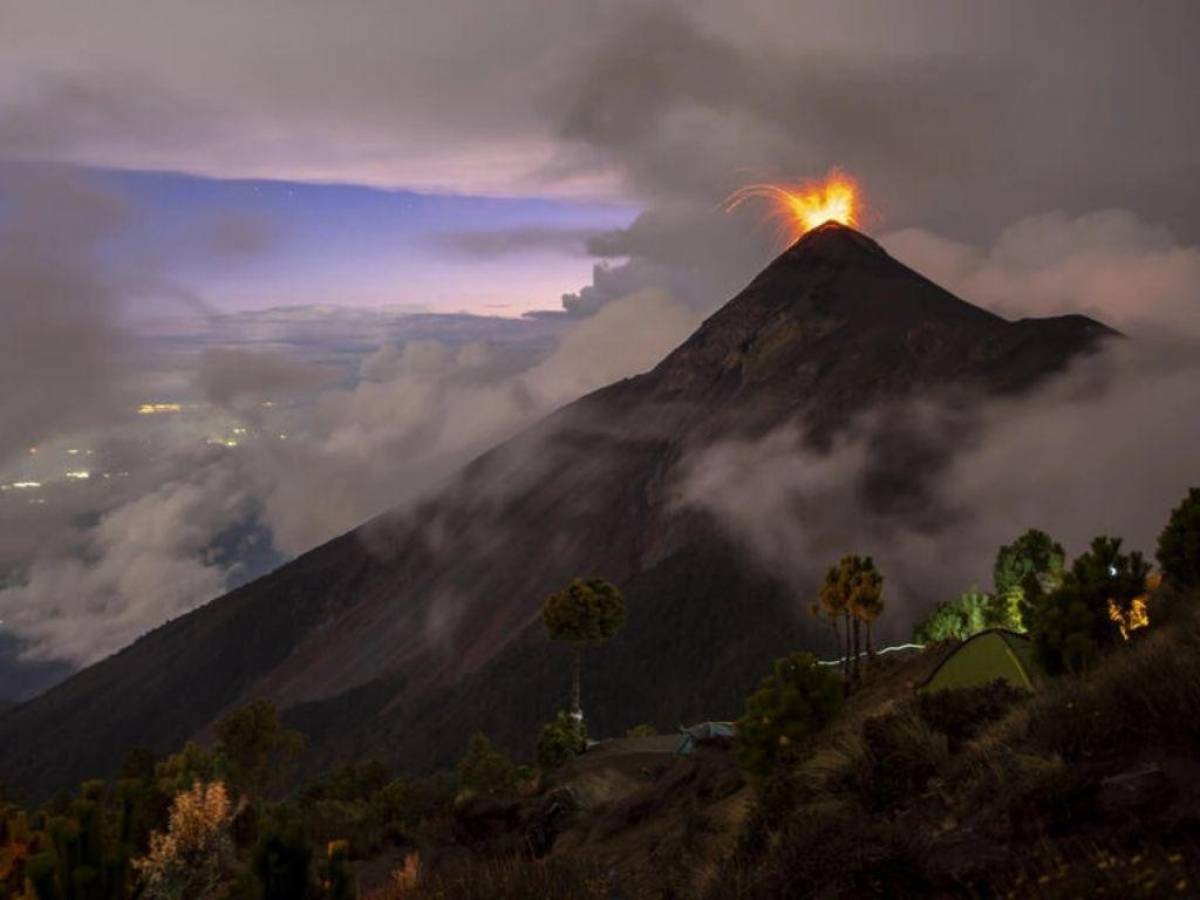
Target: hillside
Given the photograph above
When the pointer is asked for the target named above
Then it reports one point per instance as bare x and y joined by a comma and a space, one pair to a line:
408, 633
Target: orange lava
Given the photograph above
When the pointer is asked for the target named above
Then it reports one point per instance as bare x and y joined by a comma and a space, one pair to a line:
799, 208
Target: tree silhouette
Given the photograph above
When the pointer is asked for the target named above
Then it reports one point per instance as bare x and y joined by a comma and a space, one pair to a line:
1179, 544
587, 611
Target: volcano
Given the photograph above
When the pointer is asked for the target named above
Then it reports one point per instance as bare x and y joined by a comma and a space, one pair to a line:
402, 637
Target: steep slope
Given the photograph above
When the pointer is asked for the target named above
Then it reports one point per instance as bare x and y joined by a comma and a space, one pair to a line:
408, 633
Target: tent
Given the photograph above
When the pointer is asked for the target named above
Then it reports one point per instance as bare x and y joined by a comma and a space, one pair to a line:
720, 733
986, 656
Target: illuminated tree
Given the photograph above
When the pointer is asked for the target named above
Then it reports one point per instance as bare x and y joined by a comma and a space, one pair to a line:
587, 611
852, 589
195, 855
792, 703
1072, 625
1029, 567
1179, 544
866, 598
957, 619
831, 603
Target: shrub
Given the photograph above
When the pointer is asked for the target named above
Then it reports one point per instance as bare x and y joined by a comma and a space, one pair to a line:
792, 703
957, 619
961, 713
282, 864
901, 754
560, 740
639, 731
484, 768
1179, 544
195, 854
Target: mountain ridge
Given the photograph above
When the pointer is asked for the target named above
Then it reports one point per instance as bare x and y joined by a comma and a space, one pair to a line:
400, 621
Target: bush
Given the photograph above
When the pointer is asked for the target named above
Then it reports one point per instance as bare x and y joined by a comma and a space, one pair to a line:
639, 731
484, 768
971, 613
961, 713
901, 754
792, 703
1179, 544
560, 740
282, 864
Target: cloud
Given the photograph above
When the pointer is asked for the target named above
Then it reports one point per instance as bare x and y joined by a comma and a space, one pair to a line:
61, 345
229, 374
501, 242
146, 561
1104, 449
959, 117
1108, 264
422, 411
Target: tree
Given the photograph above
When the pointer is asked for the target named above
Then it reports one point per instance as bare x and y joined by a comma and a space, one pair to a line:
792, 703
560, 740
1179, 544
831, 603
1073, 624
852, 589
282, 864
485, 769
195, 855
257, 748
1026, 569
866, 598
587, 611
956, 619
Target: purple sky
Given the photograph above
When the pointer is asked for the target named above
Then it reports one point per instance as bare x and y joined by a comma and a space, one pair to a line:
294, 243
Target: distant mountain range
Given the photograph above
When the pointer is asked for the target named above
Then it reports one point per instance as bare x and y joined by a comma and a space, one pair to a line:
402, 637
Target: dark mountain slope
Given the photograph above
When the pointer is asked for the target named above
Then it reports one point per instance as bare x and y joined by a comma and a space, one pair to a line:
415, 629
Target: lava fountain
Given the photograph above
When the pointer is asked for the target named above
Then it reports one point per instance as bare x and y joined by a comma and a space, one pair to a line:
799, 208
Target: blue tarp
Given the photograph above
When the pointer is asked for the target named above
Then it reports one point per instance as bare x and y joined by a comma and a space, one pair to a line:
703, 733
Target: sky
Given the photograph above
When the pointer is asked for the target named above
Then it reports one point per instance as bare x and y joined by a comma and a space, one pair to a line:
346, 211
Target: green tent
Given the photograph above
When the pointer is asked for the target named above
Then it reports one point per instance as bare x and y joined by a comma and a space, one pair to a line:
986, 656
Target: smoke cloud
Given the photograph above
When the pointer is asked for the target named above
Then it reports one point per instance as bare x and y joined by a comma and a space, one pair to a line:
1107, 448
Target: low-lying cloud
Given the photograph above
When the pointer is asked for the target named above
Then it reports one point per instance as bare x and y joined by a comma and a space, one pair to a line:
1107, 448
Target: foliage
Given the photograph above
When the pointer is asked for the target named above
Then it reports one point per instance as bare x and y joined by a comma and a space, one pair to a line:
282, 864
561, 739
792, 703
1179, 543
195, 854
961, 713
338, 880
506, 878
587, 611
852, 589
485, 769
1024, 570
956, 619
1072, 625
640, 731
257, 748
